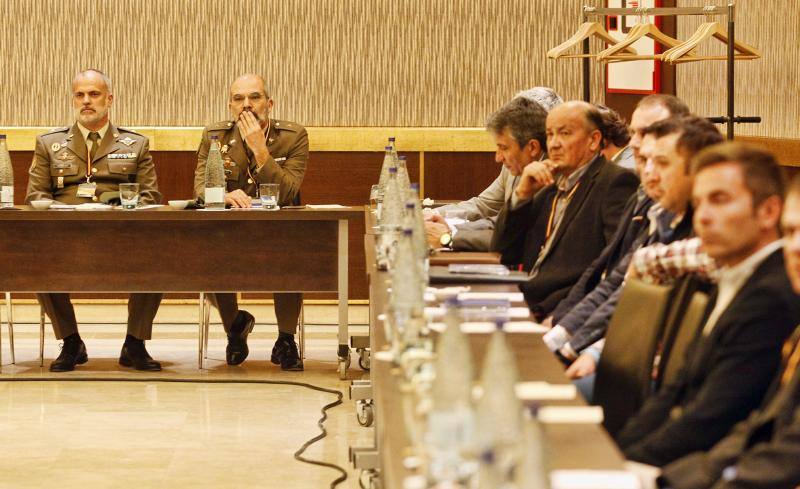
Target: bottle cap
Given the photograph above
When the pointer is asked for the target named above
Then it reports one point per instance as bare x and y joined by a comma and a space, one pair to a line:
407, 231
388, 148
391, 138
452, 301
392, 169
410, 205
214, 137
402, 157
2, 136
414, 186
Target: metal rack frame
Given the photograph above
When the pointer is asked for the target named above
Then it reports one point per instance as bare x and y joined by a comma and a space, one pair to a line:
728, 11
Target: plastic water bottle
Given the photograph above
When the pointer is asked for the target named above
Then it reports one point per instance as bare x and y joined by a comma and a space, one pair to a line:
402, 175
533, 471
392, 212
388, 162
6, 175
407, 293
451, 421
499, 415
215, 177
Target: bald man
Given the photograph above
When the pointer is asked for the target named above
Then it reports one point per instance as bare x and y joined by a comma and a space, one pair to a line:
565, 209
256, 149
86, 163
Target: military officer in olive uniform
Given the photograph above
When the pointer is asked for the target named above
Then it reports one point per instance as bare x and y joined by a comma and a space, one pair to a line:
257, 149
77, 165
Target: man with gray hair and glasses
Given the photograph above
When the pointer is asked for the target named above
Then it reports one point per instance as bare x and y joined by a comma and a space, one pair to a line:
480, 212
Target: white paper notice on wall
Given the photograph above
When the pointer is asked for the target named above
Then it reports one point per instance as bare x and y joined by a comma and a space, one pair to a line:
638, 76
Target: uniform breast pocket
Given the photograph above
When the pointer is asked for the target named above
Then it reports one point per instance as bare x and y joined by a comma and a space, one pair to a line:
63, 169
122, 167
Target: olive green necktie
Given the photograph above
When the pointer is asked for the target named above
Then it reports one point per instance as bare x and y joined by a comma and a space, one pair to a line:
95, 139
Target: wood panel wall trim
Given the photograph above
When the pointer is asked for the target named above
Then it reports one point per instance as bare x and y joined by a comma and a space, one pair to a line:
418, 139
786, 150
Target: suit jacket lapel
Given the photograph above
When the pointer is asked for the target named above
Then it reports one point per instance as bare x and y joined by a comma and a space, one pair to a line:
76, 143
584, 187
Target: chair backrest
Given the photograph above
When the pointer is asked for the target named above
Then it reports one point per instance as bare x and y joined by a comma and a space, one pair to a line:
624, 375
675, 344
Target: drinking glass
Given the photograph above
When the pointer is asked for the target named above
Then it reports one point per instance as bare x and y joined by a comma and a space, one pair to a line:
129, 195
269, 196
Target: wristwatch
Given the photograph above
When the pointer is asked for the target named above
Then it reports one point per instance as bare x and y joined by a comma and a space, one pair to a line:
446, 240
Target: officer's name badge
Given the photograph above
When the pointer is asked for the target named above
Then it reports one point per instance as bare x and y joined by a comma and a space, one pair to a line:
127, 141
121, 156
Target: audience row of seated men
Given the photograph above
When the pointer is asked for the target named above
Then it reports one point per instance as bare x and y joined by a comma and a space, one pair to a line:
87, 162
580, 226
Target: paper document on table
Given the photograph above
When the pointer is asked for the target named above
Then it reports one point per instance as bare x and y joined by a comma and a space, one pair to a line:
593, 479
326, 206
511, 312
509, 296
477, 269
545, 391
91, 206
480, 327
442, 293
525, 327
571, 414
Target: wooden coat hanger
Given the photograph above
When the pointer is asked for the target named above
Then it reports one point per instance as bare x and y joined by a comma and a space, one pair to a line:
639, 31
585, 31
682, 53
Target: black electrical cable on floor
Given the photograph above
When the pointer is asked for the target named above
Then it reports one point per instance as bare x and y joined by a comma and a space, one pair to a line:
298, 455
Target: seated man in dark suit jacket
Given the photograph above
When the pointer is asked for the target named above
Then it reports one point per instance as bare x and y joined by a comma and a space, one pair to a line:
565, 209
737, 196
761, 452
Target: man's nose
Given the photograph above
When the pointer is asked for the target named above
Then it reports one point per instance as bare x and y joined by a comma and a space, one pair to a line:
498, 157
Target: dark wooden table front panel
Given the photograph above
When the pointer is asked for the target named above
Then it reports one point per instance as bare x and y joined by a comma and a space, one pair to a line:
164, 250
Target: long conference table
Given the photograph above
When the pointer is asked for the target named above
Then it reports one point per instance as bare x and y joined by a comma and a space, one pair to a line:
166, 250
572, 446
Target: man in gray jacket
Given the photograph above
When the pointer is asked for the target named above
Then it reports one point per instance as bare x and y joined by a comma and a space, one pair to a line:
480, 212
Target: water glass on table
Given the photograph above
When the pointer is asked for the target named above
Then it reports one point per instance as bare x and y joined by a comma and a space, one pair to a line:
269, 193
129, 195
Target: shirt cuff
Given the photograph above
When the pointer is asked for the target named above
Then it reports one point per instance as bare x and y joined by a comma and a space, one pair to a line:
556, 337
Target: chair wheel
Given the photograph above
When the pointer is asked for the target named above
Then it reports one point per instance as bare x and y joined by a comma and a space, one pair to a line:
364, 359
365, 412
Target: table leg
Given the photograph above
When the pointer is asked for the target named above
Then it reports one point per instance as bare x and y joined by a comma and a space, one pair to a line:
342, 252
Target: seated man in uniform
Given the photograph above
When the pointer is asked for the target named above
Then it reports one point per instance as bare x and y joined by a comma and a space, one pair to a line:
76, 165
257, 149
513, 153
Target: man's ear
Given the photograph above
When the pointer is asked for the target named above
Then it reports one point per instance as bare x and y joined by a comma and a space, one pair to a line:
533, 148
596, 138
769, 211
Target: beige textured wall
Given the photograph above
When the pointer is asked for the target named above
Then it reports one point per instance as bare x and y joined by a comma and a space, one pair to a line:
329, 62
769, 87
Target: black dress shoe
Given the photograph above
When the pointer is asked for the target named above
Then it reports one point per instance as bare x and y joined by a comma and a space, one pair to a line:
72, 353
285, 354
236, 352
135, 355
